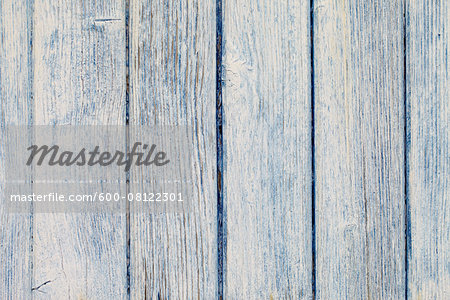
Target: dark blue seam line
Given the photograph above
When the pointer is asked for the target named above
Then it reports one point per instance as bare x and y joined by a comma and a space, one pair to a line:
30, 25
221, 215
127, 142
406, 144
313, 163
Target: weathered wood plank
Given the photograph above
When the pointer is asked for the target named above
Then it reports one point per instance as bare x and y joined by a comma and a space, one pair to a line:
267, 149
15, 91
172, 81
359, 149
428, 155
79, 79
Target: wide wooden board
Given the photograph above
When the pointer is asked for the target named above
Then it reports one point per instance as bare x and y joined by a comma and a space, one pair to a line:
359, 149
267, 165
79, 79
172, 82
428, 149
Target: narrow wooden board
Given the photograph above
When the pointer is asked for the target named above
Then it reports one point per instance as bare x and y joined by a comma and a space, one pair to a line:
79, 79
267, 149
15, 91
428, 152
172, 82
359, 149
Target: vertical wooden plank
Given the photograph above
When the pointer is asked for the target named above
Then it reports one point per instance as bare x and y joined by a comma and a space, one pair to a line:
172, 79
359, 149
428, 157
267, 149
79, 79
15, 88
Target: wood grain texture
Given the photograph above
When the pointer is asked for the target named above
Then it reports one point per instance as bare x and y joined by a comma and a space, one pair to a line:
15, 91
79, 79
71, 62
428, 155
267, 149
359, 149
172, 82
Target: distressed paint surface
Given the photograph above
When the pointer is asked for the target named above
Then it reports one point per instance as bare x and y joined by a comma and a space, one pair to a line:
359, 151
428, 153
172, 82
267, 149
99, 62
79, 79
15, 88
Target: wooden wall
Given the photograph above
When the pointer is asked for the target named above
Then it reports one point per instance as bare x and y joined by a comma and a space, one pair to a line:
320, 135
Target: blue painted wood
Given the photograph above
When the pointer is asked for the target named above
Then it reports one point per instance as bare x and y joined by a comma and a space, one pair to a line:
428, 149
65, 62
359, 149
79, 79
267, 149
15, 109
172, 82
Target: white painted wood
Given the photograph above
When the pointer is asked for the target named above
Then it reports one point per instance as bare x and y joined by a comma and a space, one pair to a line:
77, 75
359, 151
428, 158
267, 149
79, 79
172, 81
15, 87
